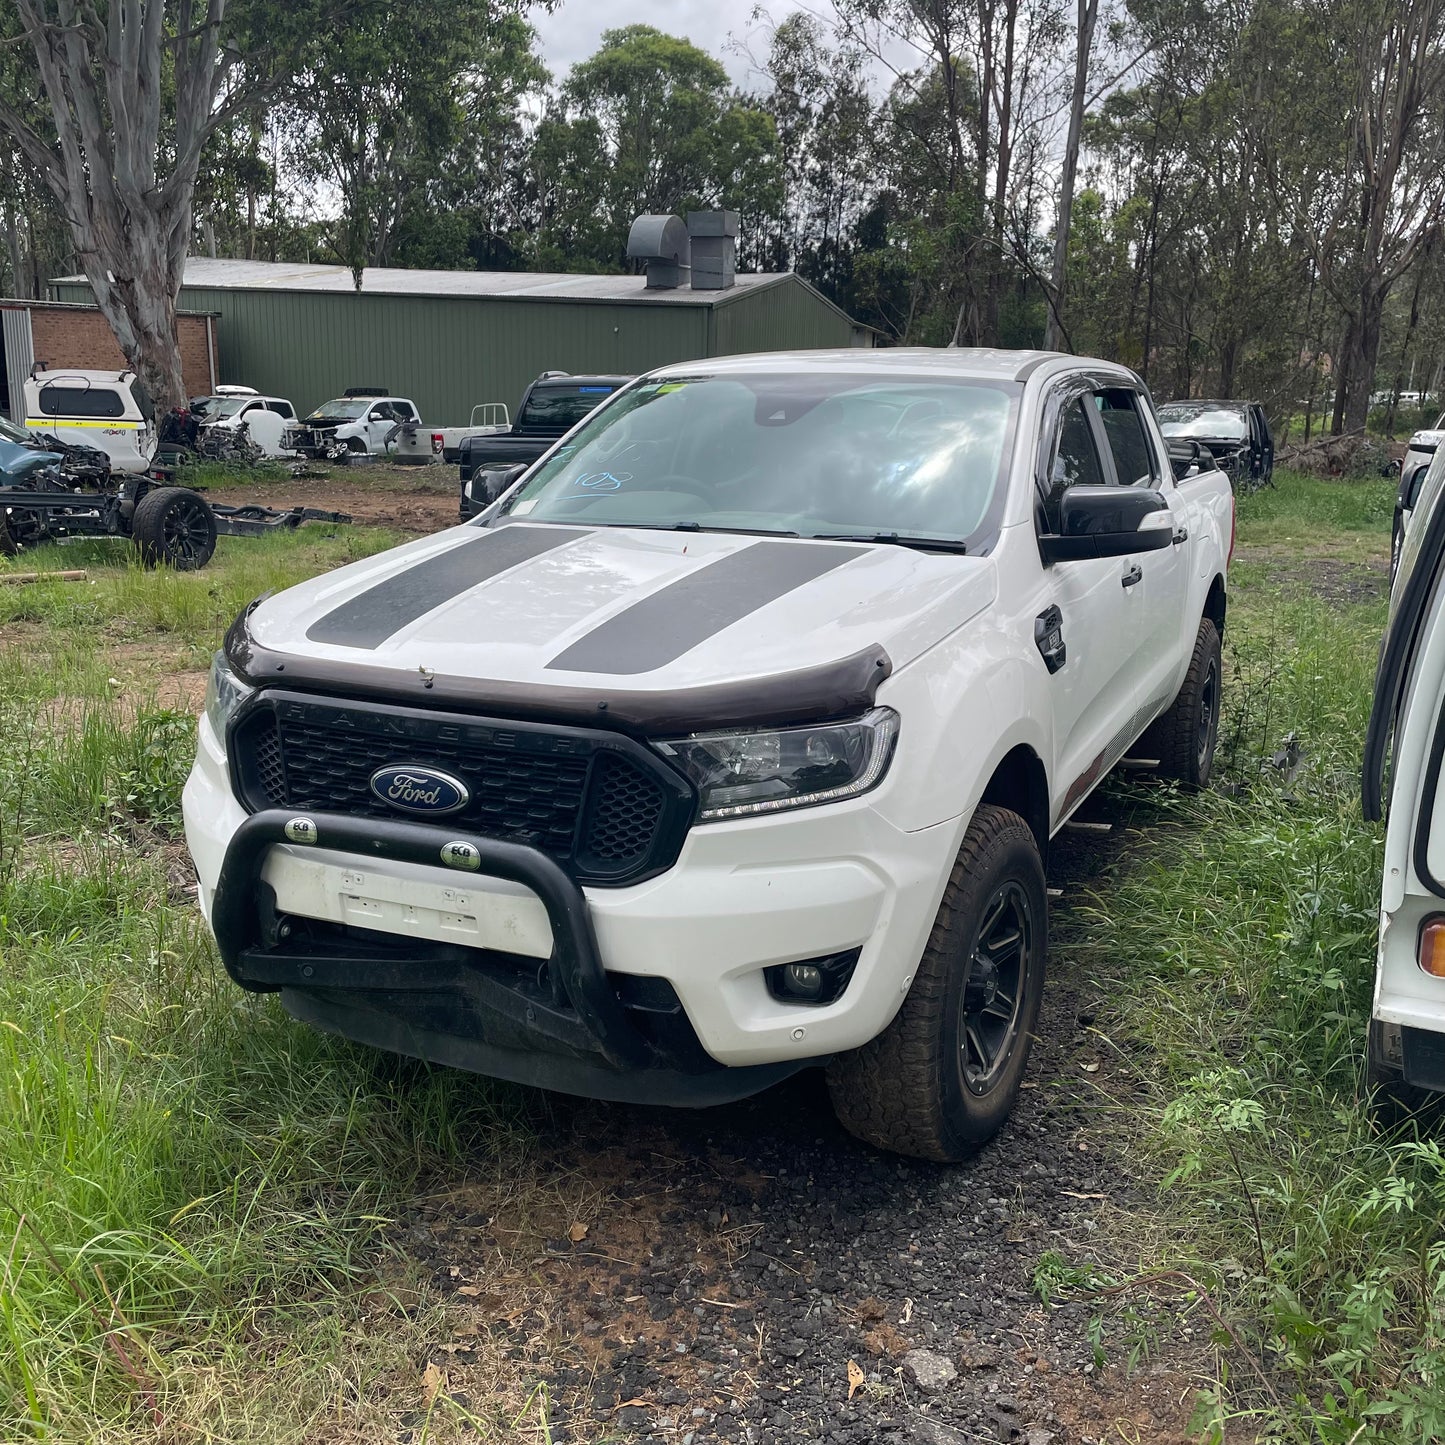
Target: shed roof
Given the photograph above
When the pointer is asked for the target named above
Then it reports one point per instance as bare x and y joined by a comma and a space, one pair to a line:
216, 274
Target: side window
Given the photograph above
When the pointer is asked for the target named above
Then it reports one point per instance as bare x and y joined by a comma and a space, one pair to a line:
1134, 459
282, 408
405, 411
1076, 458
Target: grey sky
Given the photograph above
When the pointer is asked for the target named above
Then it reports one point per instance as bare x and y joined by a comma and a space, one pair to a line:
571, 32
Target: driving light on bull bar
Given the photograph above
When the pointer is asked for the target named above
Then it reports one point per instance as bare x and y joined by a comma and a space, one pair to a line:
738, 774
225, 692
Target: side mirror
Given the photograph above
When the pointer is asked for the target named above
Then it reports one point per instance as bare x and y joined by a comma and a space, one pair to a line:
1108, 522
489, 484
1187, 456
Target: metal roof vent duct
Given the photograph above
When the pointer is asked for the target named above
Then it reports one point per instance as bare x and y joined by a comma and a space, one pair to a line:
714, 237
661, 242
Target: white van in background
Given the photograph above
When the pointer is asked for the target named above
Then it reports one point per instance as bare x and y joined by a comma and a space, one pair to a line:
110, 410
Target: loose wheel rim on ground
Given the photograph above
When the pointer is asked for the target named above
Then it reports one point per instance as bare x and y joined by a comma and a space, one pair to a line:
992, 1000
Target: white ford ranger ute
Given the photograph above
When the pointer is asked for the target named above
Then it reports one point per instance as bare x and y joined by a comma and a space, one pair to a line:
728, 740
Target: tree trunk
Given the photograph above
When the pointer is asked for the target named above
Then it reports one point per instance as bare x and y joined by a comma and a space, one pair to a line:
141, 310
127, 97
1054, 334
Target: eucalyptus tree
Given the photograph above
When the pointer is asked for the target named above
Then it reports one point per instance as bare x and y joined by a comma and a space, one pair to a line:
129, 92
399, 107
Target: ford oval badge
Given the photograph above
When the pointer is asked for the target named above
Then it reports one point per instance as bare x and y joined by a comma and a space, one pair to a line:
418, 789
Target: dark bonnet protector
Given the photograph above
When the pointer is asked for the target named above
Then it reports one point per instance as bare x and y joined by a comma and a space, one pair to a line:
814, 694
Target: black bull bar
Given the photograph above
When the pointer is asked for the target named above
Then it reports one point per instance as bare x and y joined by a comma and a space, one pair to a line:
576, 965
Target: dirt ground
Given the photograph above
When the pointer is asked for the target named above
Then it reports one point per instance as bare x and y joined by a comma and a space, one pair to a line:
728, 1274
1330, 579
410, 499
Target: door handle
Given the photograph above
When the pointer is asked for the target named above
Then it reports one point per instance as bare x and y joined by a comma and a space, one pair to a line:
1133, 577
1181, 536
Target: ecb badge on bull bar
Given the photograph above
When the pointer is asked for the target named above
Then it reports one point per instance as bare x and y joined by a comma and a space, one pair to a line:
301, 830
461, 855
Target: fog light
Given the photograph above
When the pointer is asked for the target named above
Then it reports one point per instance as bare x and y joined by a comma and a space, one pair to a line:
1430, 951
812, 980
803, 980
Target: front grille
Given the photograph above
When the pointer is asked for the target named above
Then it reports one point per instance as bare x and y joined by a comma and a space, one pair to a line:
599, 804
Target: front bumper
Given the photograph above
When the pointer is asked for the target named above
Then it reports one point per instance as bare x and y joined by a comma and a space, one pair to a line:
651, 992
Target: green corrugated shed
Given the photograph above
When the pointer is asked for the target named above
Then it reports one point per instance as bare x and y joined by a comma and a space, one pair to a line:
451, 339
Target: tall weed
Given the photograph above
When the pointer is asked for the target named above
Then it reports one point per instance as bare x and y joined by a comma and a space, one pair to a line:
1242, 953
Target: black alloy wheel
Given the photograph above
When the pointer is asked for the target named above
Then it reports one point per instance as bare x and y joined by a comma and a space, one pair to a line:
940, 1080
174, 527
1208, 715
188, 534
993, 991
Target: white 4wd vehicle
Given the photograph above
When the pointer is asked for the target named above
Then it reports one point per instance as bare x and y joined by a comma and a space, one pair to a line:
361, 422
109, 410
1423, 446
266, 419
729, 741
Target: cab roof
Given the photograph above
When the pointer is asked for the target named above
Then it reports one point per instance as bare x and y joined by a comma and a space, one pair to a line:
975, 363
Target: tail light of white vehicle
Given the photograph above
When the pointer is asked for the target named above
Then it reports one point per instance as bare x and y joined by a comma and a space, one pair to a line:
438, 441
1430, 951
738, 774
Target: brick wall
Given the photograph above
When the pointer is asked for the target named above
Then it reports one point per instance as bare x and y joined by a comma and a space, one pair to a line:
78, 336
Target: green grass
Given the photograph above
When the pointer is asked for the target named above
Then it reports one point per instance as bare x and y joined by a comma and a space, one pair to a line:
1303, 515
195, 1192
1238, 948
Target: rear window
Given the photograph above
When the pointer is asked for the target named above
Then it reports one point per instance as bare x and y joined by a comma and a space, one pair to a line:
98, 401
560, 408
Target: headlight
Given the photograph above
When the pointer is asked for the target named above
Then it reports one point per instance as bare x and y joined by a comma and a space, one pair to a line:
742, 773
225, 692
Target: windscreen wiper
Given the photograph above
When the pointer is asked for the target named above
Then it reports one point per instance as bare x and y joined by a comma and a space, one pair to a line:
897, 539
698, 527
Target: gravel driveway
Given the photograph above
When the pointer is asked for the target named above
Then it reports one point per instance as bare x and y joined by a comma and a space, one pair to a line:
708, 1276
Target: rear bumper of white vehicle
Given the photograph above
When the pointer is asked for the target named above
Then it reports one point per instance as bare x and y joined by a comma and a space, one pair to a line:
1408, 998
653, 992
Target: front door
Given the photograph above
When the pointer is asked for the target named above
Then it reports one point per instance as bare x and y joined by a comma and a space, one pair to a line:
1167, 634
1104, 617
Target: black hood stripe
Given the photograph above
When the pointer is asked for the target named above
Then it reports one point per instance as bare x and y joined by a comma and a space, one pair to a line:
662, 627
370, 617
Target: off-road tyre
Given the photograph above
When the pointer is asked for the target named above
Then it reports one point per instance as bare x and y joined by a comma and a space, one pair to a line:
174, 527
1184, 737
908, 1091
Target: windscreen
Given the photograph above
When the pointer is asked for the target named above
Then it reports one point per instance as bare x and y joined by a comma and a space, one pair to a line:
812, 454
228, 406
18, 434
345, 409
557, 409
1203, 419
